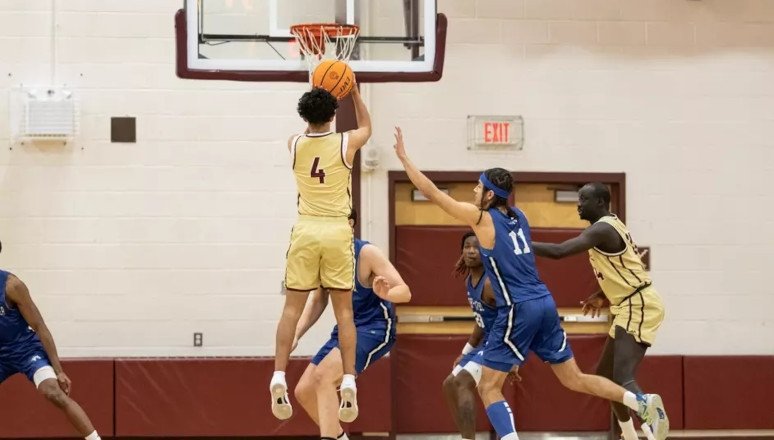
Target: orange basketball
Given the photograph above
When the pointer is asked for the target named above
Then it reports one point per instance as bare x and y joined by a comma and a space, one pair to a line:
334, 76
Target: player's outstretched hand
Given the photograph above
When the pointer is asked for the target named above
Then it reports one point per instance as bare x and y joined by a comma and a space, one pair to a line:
400, 149
513, 375
381, 287
593, 304
64, 382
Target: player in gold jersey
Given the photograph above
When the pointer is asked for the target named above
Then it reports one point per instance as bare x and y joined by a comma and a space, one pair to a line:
321, 252
636, 306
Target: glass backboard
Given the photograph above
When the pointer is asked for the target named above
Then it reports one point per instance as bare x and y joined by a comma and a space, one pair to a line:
399, 40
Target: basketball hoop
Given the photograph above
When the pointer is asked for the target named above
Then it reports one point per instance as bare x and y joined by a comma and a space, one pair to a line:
319, 41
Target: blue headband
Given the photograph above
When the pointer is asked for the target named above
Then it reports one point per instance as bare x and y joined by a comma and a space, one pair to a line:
499, 192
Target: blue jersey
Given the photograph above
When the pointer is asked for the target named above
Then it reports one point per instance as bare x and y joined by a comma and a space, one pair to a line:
510, 265
14, 329
484, 313
369, 311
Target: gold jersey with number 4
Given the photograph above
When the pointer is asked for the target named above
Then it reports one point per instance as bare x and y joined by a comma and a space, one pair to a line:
322, 174
635, 304
321, 243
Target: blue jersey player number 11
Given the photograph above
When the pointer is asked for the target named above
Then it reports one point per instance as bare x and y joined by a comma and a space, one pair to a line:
527, 318
518, 248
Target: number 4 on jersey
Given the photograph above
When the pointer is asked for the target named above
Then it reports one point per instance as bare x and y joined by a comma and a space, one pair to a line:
517, 249
317, 173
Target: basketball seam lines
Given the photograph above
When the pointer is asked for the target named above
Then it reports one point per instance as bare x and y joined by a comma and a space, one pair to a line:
326, 72
340, 78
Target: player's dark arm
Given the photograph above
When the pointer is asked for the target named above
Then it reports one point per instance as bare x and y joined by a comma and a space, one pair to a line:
594, 236
16, 291
359, 136
312, 311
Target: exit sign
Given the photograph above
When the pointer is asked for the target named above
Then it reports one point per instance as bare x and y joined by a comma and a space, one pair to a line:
495, 132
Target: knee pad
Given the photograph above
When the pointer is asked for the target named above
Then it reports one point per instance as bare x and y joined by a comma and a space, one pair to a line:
43, 373
475, 370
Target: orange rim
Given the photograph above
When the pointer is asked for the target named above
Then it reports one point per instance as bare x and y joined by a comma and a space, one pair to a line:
330, 29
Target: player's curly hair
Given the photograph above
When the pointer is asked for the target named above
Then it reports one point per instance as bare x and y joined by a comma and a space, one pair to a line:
502, 179
317, 106
459, 268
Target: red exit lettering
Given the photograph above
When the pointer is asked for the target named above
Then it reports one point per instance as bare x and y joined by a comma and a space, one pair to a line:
497, 132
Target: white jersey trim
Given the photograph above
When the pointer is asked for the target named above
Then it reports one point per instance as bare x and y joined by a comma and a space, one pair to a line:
315, 135
506, 294
344, 147
386, 336
564, 342
293, 149
507, 337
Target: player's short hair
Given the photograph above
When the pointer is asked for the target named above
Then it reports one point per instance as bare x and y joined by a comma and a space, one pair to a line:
465, 237
317, 106
353, 216
600, 191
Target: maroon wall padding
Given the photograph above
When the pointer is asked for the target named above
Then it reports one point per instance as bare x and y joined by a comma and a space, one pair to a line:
227, 397
374, 398
425, 257
729, 392
201, 397
570, 279
423, 362
664, 375
543, 404
26, 414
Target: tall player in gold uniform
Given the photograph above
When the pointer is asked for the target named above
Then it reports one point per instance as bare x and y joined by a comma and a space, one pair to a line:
636, 306
321, 252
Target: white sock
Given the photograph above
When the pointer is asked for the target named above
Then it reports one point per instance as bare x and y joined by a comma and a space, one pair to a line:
630, 400
343, 436
278, 377
93, 436
348, 381
511, 436
627, 429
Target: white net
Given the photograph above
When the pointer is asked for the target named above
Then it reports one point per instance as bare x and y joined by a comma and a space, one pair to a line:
322, 41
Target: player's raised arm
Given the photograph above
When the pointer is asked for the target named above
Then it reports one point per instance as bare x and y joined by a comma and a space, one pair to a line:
593, 236
359, 136
465, 212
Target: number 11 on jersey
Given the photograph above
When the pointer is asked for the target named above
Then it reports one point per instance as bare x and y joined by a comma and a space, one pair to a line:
517, 249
